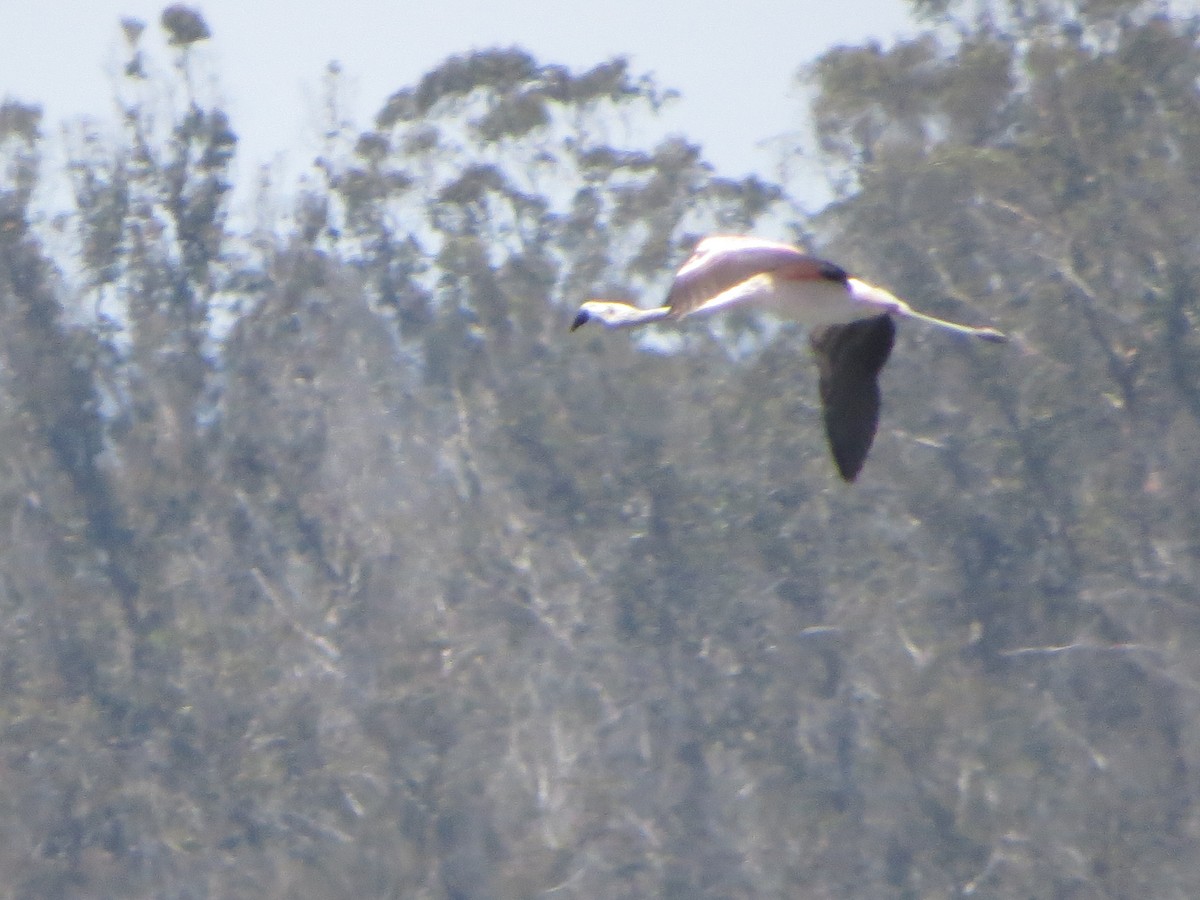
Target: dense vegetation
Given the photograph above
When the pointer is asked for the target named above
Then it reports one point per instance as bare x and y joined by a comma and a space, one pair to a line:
335, 567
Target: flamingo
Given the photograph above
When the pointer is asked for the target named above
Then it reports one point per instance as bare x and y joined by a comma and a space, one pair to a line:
851, 323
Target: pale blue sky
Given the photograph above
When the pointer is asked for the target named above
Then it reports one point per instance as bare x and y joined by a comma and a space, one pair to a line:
733, 62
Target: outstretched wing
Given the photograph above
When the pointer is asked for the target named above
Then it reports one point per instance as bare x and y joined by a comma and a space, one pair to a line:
721, 263
850, 358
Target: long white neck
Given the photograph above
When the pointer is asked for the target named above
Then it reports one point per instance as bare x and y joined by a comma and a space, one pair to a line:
615, 314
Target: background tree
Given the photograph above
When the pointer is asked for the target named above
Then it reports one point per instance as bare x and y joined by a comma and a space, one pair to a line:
1040, 165
338, 568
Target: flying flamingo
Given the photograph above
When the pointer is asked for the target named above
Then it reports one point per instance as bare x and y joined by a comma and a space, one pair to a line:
850, 321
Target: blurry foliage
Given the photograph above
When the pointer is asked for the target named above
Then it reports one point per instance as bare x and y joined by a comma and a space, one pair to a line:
183, 25
336, 567
1045, 173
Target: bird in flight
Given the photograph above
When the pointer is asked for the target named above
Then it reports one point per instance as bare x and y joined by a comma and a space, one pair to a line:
850, 322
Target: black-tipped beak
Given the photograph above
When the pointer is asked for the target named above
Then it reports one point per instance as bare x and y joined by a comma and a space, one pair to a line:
580, 319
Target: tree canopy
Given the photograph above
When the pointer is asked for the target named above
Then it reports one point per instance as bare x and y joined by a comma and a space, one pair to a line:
336, 567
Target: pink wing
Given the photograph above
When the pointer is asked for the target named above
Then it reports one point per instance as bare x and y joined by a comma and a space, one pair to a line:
723, 262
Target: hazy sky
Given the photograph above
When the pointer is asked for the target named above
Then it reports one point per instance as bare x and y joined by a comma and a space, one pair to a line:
734, 62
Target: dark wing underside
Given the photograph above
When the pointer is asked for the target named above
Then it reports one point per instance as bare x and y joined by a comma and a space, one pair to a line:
850, 358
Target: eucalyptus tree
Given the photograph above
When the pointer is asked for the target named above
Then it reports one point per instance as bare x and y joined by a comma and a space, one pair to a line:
338, 566
451, 243
1034, 162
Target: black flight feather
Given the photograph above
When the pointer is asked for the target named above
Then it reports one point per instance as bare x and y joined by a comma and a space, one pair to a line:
850, 358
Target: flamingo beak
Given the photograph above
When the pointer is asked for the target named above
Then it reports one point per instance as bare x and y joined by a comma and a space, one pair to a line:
580, 319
